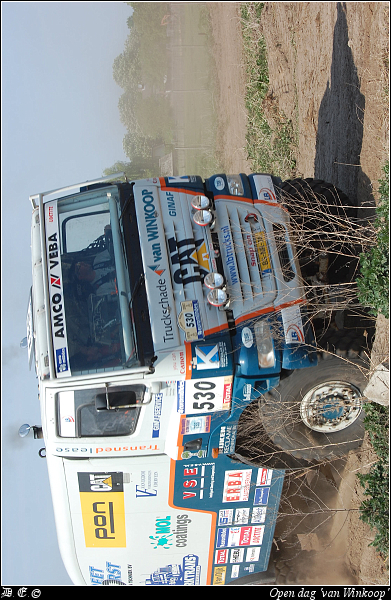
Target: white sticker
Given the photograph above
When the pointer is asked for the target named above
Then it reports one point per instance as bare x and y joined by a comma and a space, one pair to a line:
265, 188
293, 325
247, 337
204, 396
219, 183
189, 320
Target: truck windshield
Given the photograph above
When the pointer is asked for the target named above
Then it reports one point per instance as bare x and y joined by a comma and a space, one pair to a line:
96, 318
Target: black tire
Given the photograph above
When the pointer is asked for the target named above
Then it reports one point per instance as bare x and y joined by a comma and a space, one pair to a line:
341, 379
323, 220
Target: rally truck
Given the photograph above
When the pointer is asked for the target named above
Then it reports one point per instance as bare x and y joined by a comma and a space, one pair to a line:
163, 311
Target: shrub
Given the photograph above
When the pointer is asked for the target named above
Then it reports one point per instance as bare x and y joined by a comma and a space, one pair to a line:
373, 282
374, 510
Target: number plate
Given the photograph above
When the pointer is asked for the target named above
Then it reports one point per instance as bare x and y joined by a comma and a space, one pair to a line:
204, 395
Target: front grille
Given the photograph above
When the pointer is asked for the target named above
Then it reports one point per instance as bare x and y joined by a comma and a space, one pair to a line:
246, 260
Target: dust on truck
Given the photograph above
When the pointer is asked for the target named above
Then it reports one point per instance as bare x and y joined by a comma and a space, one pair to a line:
160, 310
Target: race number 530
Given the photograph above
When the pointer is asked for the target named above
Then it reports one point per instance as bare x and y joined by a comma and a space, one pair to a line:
208, 395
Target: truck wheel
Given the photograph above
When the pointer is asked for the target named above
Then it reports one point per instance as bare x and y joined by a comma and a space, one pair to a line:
323, 220
315, 194
316, 413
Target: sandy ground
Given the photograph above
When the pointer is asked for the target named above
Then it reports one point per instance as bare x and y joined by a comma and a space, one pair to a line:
327, 70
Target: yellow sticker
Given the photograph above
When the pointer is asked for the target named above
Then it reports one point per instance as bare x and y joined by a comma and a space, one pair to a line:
103, 519
263, 253
219, 575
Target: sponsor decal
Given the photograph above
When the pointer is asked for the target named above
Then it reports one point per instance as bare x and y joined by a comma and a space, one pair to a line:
62, 360
293, 325
237, 485
230, 255
66, 405
179, 362
258, 514
247, 337
207, 357
242, 516
267, 195
247, 392
189, 320
184, 259
252, 554
227, 439
236, 555
250, 535
156, 269
57, 309
226, 516
235, 571
251, 253
198, 396
219, 183
163, 535
198, 481
263, 253
265, 188
219, 575
181, 179
187, 573
264, 476
68, 419
92, 449
261, 495
150, 215
148, 484
203, 256
192, 425
171, 204
157, 412
163, 303
181, 385
103, 509
221, 557
112, 572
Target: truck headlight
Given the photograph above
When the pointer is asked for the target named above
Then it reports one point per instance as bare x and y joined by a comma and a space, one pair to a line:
264, 342
235, 185
214, 280
217, 297
203, 218
200, 202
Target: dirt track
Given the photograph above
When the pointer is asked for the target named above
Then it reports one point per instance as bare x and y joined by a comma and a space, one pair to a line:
328, 73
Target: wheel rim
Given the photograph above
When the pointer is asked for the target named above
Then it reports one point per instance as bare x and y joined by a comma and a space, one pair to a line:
331, 406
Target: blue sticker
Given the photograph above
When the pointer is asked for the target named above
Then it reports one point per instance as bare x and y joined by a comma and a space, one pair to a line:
261, 495
207, 357
180, 391
156, 415
62, 360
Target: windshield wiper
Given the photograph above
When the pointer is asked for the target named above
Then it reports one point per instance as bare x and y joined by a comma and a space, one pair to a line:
140, 281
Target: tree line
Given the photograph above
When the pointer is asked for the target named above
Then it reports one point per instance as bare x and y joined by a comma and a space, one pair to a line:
142, 72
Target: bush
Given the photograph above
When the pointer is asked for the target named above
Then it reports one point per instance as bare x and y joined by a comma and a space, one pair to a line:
373, 282
374, 510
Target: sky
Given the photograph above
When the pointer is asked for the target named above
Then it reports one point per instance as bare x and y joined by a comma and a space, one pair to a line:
59, 125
